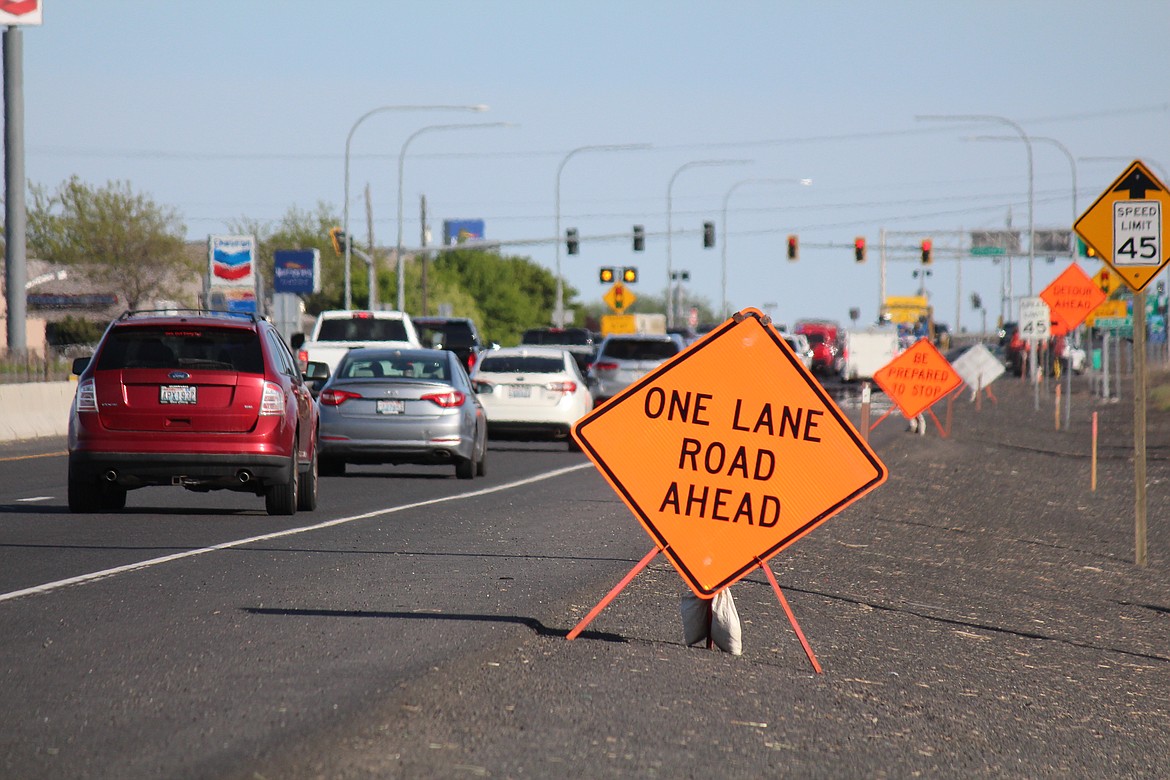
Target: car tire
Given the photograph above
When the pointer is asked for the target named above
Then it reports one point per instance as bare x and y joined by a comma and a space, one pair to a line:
573, 445
112, 497
84, 495
465, 468
331, 467
282, 499
481, 464
307, 487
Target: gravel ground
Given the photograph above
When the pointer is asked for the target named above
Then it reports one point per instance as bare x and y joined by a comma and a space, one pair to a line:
978, 615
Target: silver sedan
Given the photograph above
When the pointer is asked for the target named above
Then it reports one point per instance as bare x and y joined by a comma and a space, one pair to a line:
401, 406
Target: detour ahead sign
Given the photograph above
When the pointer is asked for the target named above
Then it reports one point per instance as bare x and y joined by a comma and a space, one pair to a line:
729, 452
917, 378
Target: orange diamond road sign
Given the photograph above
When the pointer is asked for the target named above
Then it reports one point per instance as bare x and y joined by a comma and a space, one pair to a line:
917, 378
1126, 226
1071, 297
729, 452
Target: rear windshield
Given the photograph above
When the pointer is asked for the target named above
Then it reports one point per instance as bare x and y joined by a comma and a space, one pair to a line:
356, 367
640, 350
183, 346
455, 335
577, 338
512, 364
362, 329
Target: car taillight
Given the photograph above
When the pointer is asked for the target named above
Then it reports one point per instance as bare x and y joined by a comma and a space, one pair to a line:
336, 397
273, 401
605, 365
447, 400
87, 397
562, 387
303, 360
471, 359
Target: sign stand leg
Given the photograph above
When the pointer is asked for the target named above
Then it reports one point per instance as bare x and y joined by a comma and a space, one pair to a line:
878, 421
791, 617
642, 564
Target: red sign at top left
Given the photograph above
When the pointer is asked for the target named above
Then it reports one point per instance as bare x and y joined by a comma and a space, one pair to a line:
20, 12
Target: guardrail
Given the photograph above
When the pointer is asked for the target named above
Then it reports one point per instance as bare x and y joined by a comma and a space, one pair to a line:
34, 409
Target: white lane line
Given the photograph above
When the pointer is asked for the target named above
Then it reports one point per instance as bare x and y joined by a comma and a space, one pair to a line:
33, 498
97, 575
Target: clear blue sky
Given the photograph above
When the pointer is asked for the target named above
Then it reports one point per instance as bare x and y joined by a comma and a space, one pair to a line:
240, 109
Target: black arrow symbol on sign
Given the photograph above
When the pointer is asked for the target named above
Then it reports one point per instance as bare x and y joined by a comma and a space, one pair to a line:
1136, 183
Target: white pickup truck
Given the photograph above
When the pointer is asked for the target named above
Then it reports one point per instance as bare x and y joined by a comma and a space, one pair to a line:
336, 332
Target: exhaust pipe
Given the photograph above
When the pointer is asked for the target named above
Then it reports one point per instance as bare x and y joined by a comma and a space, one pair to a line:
244, 476
110, 476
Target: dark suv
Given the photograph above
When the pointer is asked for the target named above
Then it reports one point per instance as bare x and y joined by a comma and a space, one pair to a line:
200, 400
576, 341
457, 334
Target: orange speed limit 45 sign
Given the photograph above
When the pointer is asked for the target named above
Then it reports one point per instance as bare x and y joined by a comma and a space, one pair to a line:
729, 452
917, 378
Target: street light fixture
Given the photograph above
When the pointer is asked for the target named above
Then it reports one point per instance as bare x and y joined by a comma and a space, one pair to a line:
401, 159
1031, 191
723, 227
559, 310
1072, 162
669, 226
348, 140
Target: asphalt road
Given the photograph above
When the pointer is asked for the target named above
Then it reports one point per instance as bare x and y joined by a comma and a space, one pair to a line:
978, 615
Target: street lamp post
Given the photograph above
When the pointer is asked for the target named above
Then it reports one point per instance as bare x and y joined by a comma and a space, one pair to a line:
345, 202
1072, 162
402, 159
1031, 192
723, 226
559, 310
669, 226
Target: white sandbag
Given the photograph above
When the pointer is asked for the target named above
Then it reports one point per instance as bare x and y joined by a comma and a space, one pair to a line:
724, 624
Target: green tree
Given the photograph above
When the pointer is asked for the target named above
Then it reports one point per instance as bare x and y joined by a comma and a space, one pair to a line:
119, 238
512, 293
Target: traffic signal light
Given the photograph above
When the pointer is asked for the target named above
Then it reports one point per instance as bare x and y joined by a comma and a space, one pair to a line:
859, 249
793, 248
639, 238
337, 236
571, 241
708, 235
1084, 250
629, 274
927, 246
605, 275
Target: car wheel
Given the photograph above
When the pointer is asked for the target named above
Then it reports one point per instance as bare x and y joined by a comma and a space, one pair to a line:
481, 464
84, 495
573, 445
282, 499
465, 469
307, 489
331, 467
112, 497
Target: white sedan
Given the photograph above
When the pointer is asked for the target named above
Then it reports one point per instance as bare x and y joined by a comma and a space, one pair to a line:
531, 393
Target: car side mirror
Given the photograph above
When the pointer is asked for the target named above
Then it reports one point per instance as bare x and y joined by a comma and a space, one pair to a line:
80, 364
316, 371
297, 340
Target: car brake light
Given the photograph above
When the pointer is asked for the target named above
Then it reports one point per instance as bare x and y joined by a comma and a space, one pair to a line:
336, 397
87, 396
471, 361
303, 360
447, 400
604, 365
562, 387
273, 401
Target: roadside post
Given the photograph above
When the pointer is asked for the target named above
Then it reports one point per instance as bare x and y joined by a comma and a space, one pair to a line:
1126, 227
724, 469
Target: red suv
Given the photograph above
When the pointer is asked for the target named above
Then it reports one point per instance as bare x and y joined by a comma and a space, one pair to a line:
200, 400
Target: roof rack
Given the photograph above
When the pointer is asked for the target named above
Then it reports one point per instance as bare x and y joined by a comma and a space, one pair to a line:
173, 312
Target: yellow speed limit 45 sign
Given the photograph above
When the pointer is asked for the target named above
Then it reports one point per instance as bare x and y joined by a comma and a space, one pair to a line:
1126, 226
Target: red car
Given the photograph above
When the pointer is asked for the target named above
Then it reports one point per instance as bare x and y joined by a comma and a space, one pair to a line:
823, 337
193, 399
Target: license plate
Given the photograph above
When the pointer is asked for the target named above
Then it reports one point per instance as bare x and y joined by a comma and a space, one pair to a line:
519, 391
176, 394
391, 406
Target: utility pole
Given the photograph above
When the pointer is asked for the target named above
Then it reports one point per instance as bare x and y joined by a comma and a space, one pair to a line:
15, 217
422, 208
373, 255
